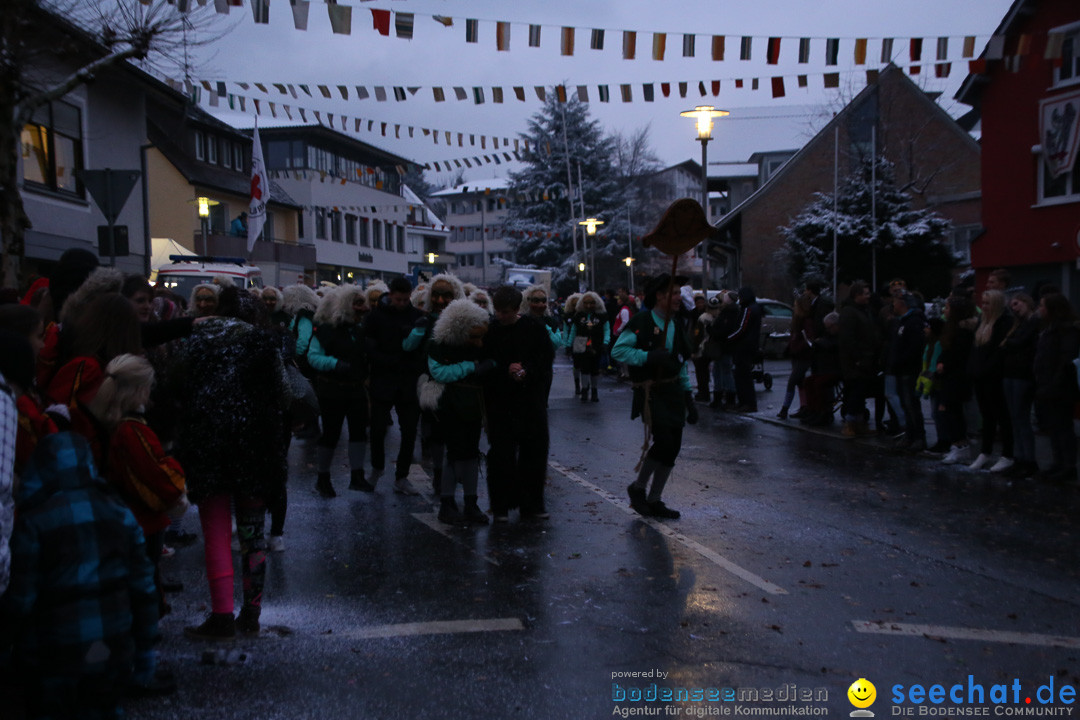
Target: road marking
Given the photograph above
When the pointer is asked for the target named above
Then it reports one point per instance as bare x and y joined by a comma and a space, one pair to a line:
439, 627
960, 633
432, 521
708, 553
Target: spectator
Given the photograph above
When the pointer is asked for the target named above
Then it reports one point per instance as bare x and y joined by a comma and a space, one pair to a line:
860, 346
986, 368
957, 337
239, 227
1056, 386
745, 343
1018, 379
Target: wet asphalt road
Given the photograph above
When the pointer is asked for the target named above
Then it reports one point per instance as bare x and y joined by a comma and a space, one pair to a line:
792, 544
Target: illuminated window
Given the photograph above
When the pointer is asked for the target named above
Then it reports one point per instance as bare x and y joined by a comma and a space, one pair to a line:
51, 147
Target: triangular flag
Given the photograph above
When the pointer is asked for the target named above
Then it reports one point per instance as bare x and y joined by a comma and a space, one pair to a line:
773, 52
472, 30
778, 87
380, 20
860, 51
629, 44
688, 42
568, 41
659, 45
502, 36
597, 42
718, 47
534, 40
443, 20
340, 19
403, 25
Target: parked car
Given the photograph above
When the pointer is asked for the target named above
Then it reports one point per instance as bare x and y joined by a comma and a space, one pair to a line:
775, 325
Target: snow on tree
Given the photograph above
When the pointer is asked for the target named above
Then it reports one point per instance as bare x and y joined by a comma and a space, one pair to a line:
911, 244
541, 224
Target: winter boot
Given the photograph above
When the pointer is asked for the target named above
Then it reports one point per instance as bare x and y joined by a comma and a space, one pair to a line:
247, 623
449, 513
219, 626
358, 481
473, 514
322, 484
577, 383
717, 401
595, 397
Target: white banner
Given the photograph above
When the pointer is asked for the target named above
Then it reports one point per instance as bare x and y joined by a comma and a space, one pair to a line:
1059, 130
260, 191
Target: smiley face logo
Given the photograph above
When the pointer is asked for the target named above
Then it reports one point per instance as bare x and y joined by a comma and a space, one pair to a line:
862, 693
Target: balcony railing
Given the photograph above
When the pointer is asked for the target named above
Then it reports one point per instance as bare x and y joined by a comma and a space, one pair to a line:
277, 252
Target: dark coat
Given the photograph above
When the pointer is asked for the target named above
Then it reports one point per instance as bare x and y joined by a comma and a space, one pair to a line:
745, 340
393, 369
860, 342
1018, 350
986, 360
525, 342
907, 340
1055, 374
230, 381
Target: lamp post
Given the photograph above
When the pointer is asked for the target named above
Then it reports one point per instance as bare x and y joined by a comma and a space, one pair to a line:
204, 203
590, 230
704, 115
630, 271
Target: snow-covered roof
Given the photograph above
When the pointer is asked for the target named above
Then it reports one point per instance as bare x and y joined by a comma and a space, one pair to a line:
733, 170
472, 186
408, 194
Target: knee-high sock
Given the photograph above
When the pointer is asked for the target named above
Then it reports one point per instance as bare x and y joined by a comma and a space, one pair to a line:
215, 515
250, 518
324, 456
357, 455
659, 480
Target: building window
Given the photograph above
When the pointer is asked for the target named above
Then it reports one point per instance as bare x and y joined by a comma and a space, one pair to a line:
1069, 72
376, 234
52, 149
962, 235
350, 229
226, 154
400, 239
335, 226
212, 150
300, 225
200, 145
219, 219
320, 223
238, 157
365, 236
1064, 188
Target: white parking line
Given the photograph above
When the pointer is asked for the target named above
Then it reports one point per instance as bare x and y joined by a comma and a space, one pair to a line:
708, 553
439, 627
432, 521
960, 633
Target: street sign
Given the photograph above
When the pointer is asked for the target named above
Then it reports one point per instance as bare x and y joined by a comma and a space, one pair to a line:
119, 245
110, 189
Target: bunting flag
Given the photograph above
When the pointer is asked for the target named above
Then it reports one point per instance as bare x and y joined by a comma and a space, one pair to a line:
403, 25
534, 36
860, 51
745, 48
629, 44
916, 55
718, 48
659, 45
1055, 43
597, 42
340, 19
969, 47
647, 92
832, 50
778, 87
804, 50
502, 36
688, 42
260, 191
886, 50
995, 48
568, 41
443, 20
560, 93
627, 93
772, 54
472, 31
260, 11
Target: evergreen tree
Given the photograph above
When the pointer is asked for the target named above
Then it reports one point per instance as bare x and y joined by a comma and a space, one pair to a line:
911, 244
414, 178
541, 224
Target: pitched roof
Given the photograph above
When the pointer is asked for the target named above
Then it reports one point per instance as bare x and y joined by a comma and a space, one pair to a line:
891, 71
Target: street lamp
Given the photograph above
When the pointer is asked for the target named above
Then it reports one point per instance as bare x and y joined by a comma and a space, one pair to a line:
204, 203
704, 115
431, 258
630, 271
590, 230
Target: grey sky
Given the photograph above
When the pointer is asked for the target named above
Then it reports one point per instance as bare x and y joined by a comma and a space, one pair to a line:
439, 56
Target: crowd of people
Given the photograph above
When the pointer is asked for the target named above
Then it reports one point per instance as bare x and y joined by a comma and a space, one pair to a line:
122, 404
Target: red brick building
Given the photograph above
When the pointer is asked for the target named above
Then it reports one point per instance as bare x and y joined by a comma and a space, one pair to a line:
1029, 100
935, 159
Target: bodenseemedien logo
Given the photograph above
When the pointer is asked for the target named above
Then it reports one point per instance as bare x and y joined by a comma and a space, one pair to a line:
862, 694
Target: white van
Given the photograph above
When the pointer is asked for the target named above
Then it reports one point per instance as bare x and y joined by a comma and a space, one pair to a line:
186, 271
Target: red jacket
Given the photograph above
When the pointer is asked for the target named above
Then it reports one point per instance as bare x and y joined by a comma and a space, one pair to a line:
149, 480
74, 385
34, 424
